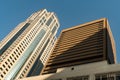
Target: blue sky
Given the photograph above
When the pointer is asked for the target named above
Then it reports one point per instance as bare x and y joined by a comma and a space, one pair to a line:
69, 12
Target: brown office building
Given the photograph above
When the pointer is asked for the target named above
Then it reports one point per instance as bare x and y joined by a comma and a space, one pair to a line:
82, 44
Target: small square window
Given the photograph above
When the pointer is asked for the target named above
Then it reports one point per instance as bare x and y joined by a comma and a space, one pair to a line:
1, 75
3, 65
6, 63
8, 66
11, 63
4, 72
10, 57
1, 68
12, 54
13, 60
17, 56
8, 60
6, 69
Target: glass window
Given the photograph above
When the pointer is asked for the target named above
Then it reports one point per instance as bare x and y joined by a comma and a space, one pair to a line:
6, 63
8, 60
1, 68
79, 78
8, 66
1, 75
56, 79
54, 29
11, 63
6, 69
10, 57
3, 65
56, 25
49, 21
4, 72
107, 76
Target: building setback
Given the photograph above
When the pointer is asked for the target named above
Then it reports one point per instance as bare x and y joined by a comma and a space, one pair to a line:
25, 50
82, 44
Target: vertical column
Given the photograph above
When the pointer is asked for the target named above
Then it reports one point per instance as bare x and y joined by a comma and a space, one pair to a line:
91, 77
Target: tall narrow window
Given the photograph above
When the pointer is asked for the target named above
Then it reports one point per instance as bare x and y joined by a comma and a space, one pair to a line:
54, 29
49, 21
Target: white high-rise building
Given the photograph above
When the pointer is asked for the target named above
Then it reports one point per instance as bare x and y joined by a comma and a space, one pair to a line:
26, 48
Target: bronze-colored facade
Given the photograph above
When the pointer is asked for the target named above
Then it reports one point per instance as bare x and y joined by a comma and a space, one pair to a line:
86, 43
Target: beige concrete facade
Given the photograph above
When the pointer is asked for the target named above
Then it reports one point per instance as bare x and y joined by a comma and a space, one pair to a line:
83, 44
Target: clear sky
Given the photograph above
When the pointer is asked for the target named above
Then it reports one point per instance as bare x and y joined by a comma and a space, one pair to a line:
69, 12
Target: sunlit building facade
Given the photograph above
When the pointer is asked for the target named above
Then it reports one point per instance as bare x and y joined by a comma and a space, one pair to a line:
27, 47
83, 52
83, 44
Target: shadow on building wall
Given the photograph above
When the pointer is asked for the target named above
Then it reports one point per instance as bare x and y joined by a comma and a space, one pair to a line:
91, 49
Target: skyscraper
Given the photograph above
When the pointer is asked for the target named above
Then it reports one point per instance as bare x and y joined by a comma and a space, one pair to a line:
28, 45
82, 44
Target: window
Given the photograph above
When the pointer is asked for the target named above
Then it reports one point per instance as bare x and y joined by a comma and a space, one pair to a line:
22, 49
1, 68
27, 66
18, 48
44, 20
54, 29
8, 60
56, 25
4, 72
6, 69
1, 75
14, 52
6, 63
41, 23
11, 63
19, 53
22, 74
8, 66
30, 61
13, 55
23, 71
79, 78
108, 76
3, 65
17, 56
49, 21
56, 79
10, 57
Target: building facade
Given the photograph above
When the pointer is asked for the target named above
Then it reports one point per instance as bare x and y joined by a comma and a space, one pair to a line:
83, 52
29, 43
92, 71
83, 44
